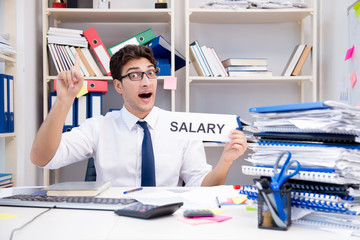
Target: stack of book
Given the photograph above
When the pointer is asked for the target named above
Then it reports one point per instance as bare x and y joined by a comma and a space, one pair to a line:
5, 47
245, 67
297, 60
5, 180
206, 61
324, 138
63, 43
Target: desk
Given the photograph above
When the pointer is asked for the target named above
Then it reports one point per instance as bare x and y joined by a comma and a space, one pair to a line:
84, 224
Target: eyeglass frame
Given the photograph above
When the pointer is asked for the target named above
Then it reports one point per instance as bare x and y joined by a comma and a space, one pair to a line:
142, 75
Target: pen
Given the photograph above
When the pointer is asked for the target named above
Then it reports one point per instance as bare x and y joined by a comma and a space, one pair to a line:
133, 190
218, 202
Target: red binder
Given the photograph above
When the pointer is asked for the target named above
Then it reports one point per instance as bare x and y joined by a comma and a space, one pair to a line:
99, 48
93, 85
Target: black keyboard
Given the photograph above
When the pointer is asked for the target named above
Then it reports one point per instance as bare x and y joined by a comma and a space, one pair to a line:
94, 203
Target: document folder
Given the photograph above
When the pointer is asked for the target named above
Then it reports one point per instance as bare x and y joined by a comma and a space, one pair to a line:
290, 107
10, 96
95, 104
162, 49
139, 39
99, 48
82, 109
70, 117
93, 85
3, 104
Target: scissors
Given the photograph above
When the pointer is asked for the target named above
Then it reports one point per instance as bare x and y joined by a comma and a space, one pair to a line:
280, 178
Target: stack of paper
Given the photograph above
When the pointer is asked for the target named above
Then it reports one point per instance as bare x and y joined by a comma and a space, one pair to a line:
5, 47
65, 36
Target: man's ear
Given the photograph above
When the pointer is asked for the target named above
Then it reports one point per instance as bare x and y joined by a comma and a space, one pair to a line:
118, 86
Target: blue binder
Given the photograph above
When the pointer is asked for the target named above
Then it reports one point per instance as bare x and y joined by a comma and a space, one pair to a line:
290, 107
164, 69
3, 104
82, 109
162, 49
70, 120
10, 95
95, 104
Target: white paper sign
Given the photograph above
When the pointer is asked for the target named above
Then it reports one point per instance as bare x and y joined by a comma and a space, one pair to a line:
200, 126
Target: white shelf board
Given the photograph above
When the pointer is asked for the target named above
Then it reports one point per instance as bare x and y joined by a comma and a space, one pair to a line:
4, 58
197, 79
111, 15
249, 15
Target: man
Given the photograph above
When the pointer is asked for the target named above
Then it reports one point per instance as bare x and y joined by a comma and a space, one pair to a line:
115, 140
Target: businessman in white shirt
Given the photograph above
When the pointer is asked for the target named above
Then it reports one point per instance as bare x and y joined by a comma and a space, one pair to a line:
115, 140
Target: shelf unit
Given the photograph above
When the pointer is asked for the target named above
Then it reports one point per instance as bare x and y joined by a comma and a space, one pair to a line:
54, 17
9, 14
207, 16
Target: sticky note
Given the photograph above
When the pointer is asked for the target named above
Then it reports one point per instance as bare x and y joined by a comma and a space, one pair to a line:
216, 218
358, 105
83, 90
7, 216
353, 79
215, 210
250, 208
356, 7
195, 221
170, 83
349, 53
239, 200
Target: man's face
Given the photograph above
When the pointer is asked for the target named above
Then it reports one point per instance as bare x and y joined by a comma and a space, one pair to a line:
139, 96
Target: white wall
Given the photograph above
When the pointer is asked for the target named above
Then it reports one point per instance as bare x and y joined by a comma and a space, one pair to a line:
28, 106
335, 42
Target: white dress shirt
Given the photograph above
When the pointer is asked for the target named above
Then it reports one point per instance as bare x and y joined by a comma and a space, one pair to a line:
115, 141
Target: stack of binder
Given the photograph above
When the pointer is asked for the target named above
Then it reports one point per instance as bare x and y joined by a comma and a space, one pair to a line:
324, 138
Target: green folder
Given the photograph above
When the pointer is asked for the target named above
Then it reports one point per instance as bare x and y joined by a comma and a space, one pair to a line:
139, 39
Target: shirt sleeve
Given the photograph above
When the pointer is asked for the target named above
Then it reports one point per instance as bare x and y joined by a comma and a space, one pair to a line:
195, 167
75, 146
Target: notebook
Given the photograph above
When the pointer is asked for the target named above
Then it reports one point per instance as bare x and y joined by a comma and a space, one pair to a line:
302, 175
89, 189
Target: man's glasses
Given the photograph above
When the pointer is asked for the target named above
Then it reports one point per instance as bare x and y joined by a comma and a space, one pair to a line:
138, 76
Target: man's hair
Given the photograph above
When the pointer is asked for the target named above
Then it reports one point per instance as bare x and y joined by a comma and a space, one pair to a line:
127, 53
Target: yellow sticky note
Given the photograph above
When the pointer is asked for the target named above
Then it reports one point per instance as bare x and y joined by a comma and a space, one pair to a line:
356, 7
239, 200
7, 216
215, 210
83, 90
250, 208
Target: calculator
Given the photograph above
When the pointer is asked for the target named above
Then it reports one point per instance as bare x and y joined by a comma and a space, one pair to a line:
147, 211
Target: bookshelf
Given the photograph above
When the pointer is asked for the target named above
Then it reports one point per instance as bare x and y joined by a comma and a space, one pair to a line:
9, 63
250, 20
84, 18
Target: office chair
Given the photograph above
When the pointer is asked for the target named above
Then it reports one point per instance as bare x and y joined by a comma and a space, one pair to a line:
90, 175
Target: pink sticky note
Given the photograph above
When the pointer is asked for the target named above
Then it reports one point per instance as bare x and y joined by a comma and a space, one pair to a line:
358, 105
170, 83
349, 53
353, 79
195, 221
216, 218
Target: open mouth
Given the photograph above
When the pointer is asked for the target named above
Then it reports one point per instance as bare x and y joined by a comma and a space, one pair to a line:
145, 95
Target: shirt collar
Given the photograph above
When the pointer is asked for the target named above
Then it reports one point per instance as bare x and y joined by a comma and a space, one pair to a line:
131, 120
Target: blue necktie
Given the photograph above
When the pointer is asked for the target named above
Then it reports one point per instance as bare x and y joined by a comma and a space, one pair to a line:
148, 165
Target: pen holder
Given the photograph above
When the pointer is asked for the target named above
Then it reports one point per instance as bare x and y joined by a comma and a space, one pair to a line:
268, 216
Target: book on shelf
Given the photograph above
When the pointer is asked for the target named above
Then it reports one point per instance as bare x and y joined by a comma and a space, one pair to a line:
91, 60
89, 189
5, 176
301, 61
5, 47
247, 68
250, 73
244, 61
211, 61
294, 58
85, 62
201, 59
65, 36
222, 70
196, 61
